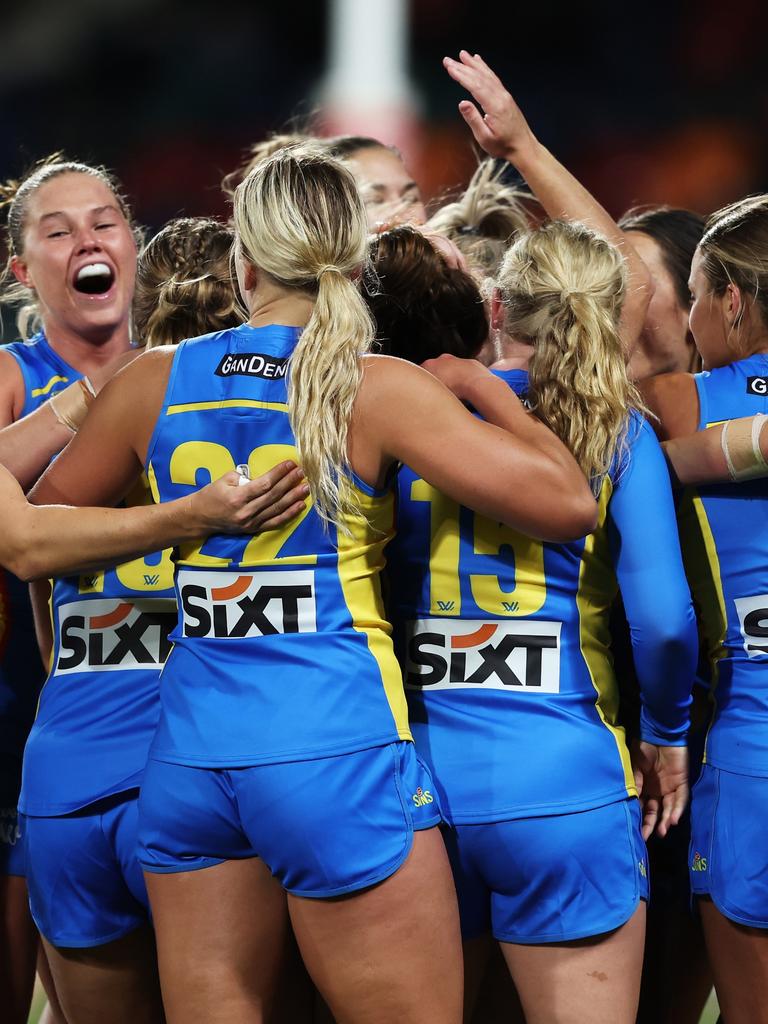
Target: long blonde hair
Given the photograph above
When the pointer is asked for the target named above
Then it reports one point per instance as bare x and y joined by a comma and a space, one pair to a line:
299, 218
562, 287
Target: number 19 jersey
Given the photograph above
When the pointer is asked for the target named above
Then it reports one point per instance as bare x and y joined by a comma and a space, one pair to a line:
504, 643
282, 651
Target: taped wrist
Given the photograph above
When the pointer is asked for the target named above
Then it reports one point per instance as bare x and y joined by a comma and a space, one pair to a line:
71, 405
740, 441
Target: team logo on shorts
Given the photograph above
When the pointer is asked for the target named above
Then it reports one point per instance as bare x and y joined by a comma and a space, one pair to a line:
507, 655
757, 385
753, 619
642, 868
699, 863
10, 833
252, 364
110, 635
422, 797
232, 605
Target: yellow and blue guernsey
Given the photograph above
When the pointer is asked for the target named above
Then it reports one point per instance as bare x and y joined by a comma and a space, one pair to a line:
724, 533
21, 670
504, 642
282, 651
99, 707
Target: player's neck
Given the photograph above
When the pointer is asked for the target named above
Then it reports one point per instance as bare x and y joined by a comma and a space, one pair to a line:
86, 354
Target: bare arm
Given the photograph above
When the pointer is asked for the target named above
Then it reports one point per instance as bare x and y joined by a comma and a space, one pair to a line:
505, 134
673, 401
699, 458
404, 414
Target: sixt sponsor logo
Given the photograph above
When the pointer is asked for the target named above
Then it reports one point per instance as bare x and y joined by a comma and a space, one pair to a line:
229, 605
110, 634
757, 385
252, 364
521, 655
753, 620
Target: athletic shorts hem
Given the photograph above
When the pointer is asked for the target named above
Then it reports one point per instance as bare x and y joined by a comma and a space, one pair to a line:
259, 760
179, 868
432, 822
381, 875
78, 942
731, 913
64, 810
535, 810
572, 936
736, 769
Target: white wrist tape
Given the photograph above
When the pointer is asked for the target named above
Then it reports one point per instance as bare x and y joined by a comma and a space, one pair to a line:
740, 441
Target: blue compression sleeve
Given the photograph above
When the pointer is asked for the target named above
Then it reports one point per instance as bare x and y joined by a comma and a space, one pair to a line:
657, 600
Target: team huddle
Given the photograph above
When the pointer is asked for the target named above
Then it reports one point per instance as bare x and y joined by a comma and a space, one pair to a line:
395, 579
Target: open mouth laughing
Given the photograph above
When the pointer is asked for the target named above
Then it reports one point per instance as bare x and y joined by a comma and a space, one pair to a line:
94, 279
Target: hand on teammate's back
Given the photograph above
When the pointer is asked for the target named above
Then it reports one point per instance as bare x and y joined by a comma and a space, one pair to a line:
661, 776
230, 506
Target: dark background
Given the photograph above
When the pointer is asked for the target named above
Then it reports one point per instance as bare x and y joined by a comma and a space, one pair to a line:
647, 103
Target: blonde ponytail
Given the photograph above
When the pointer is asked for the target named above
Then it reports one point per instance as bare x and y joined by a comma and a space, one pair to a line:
562, 287
300, 219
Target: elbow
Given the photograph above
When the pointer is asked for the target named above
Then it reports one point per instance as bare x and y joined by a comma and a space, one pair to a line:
577, 516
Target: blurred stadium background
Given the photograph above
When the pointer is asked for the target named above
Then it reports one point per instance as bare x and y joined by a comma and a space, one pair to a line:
661, 102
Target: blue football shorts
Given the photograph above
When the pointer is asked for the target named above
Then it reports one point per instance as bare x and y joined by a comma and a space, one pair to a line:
86, 887
728, 856
324, 827
550, 879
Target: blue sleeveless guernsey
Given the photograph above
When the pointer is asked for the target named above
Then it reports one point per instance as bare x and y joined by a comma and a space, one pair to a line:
282, 651
724, 533
100, 705
21, 670
504, 642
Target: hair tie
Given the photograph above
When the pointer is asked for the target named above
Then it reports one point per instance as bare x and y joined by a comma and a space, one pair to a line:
329, 268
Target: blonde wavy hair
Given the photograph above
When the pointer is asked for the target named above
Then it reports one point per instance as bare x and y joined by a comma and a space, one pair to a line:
184, 284
486, 218
15, 194
562, 288
299, 218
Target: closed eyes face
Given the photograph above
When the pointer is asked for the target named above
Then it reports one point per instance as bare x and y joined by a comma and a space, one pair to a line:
79, 254
390, 195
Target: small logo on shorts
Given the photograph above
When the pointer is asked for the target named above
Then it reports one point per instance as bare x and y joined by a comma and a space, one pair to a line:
641, 865
422, 797
10, 833
699, 863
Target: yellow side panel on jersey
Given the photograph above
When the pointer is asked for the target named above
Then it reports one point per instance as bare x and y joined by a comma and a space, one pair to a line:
702, 566
596, 577
359, 564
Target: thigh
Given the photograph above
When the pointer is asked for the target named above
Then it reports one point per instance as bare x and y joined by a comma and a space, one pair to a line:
595, 980
18, 949
391, 952
115, 983
85, 884
738, 955
221, 933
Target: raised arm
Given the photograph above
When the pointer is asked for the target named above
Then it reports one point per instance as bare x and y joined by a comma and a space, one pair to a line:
503, 132
504, 469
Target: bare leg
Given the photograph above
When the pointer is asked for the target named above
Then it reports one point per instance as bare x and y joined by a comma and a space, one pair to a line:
497, 1001
115, 983
739, 959
220, 936
477, 954
595, 980
53, 1013
18, 950
391, 952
